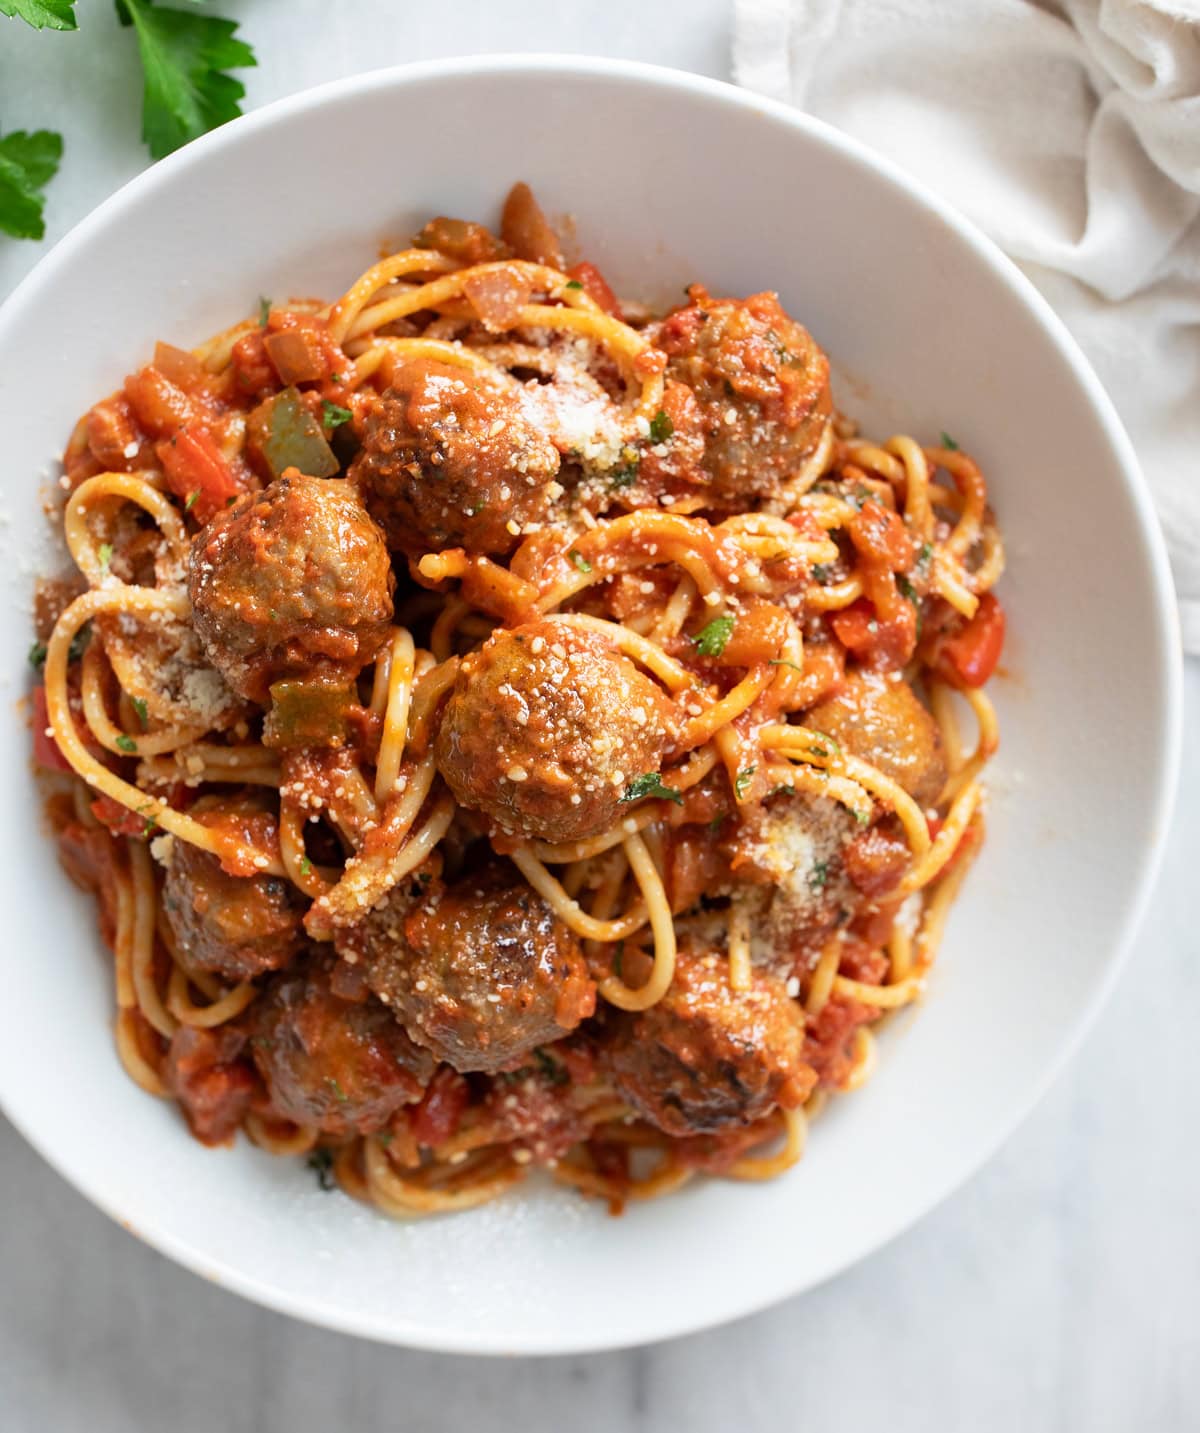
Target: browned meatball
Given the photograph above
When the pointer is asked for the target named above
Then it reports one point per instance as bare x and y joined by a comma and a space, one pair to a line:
480, 973
708, 1058
879, 718
342, 1066
289, 582
236, 927
545, 729
762, 385
449, 459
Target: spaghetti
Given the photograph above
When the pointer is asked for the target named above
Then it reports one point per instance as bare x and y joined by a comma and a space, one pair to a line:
503, 734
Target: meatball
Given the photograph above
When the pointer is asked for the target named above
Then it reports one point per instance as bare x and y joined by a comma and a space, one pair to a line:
480, 973
881, 720
449, 459
236, 927
762, 385
289, 581
708, 1058
206, 1072
341, 1065
545, 728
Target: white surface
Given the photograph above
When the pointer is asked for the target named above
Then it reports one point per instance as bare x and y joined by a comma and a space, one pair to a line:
1058, 1291
1068, 132
508, 1278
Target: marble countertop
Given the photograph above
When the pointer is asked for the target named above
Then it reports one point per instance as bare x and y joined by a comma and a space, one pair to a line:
1058, 1292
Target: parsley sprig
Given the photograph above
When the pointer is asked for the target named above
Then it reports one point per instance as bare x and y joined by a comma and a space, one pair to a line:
711, 638
28, 161
651, 784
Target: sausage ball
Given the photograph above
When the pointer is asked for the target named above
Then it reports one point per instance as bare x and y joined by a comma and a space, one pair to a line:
289, 581
341, 1065
546, 727
449, 459
762, 386
881, 720
708, 1058
480, 973
236, 927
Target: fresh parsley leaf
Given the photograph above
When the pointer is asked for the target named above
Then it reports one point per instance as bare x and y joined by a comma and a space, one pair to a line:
28, 161
948, 442
336, 377
711, 638
651, 784
572, 284
320, 1161
191, 500
333, 416
143, 715
906, 588
42, 14
126, 743
580, 561
104, 553
184, 56
623, 477
818, 877
741, 782
37, 656
661, 427
305, 866
264, 311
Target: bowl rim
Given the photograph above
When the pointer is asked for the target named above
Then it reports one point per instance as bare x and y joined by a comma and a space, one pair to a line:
1147, 534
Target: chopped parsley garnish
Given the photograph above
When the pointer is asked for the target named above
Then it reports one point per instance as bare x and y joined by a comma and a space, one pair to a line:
335, 378
580, 561
651, 784
126, 743
863, 818
191, 500
28, 161
264, 311
104, 552
37, 656
715, 824
143, 715
333, 415
661, 427
150, 824
924, 553
623, 477
823, 572
906, 588
552, 1070
572, 284
948, 442
741, 782
818, 877
184, 58
783, 662
320, 1161
711, 639
305, 866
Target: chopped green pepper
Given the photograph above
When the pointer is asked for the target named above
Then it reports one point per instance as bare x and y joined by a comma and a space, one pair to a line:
288, 436
308, 713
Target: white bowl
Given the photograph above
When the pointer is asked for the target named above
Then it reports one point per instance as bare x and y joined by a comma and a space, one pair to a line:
670, 178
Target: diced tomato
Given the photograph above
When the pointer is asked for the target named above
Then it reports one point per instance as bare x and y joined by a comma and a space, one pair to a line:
111, 432
880, 535
437, 1116
45, 748
804, 521
160, 407
855, 626
253, 372
120, 820
194, 465
969, 658
595, 285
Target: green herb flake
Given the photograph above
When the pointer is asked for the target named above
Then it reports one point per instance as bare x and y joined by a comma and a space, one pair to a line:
823, 572
572, 284
105, 552
818, 877
651, 784
320, 1161
551, 1069
37, 656
191, 500
333, 415
906, 588
783, 662
305, 866
126, 743
139, 706
661, 427
580, 561
623, 477
948, 442
924, 554
264, 311
711, 639
741, 782
338, 1093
